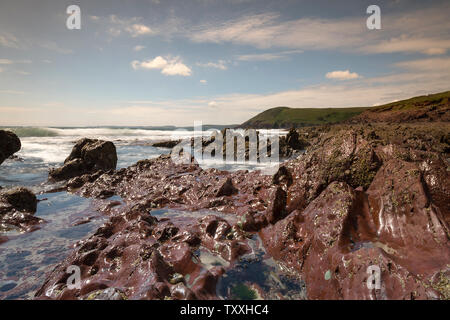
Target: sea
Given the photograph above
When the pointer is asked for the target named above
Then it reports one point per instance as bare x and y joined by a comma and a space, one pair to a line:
26, 258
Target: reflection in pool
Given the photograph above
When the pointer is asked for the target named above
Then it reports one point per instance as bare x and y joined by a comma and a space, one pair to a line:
26, 258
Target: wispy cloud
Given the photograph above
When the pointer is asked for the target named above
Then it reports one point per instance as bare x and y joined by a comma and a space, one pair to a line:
221, 64
427, 65
425, 31
169, 66
267, 56
117, 26
6, 61
11, 92
8, 40
53, 46
11, 68
9, 61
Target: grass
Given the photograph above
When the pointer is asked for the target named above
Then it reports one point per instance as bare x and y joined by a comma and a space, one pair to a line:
285, 117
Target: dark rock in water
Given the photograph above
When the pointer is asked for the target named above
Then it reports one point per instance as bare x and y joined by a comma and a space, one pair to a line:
21, 199
17, 207
87, 156
292, 143
9, 144
227, 189
166, 144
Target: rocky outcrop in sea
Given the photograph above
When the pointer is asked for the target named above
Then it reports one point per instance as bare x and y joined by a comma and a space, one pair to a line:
9, 144
361, 198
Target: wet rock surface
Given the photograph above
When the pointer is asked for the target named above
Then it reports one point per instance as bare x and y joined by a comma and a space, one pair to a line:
354, 200
9, 144
166, 144
87, 156
17, 207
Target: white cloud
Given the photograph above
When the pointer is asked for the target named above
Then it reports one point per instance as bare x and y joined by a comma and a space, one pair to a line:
221, 64
138, 48
168, 66
342, 75
138, 30
177, 68
212, 104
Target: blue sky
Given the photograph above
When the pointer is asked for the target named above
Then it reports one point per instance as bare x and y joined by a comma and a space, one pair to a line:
159, 62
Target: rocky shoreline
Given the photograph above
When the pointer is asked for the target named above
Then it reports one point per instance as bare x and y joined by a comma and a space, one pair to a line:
361, 196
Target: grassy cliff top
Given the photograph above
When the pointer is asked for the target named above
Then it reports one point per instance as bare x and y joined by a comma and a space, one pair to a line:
284, 117
432, 107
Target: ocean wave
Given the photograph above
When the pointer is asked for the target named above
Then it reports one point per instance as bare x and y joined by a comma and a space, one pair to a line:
150, 133
33, 132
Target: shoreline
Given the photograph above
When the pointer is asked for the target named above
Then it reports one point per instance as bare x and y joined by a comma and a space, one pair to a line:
342, 175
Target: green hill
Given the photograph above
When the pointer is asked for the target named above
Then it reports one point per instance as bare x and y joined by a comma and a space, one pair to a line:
433, 107
284, 117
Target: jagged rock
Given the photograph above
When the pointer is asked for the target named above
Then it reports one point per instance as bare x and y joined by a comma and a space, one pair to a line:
340, 156
87, 156
294, 141
107, 294
9, 144
338, 237
227, 189
17, 207
276, 209
283, 177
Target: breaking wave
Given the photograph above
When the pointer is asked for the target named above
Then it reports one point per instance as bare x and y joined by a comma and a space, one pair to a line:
33, 132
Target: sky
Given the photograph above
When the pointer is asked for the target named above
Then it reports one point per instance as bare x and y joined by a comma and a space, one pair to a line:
173, 62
